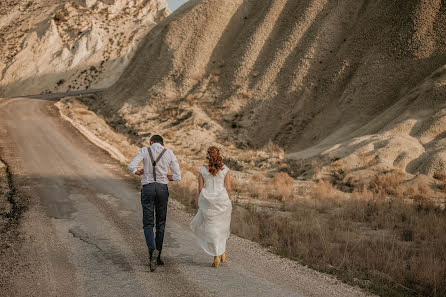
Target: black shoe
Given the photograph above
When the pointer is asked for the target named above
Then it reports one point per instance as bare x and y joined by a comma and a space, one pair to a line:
159, 261
153, 261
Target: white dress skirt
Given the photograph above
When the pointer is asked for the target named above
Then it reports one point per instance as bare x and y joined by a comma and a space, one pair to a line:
211, 224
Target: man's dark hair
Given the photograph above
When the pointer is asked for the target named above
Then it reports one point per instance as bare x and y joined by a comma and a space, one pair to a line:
156, 139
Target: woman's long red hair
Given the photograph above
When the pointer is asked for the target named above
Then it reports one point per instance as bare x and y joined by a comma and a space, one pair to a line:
215, 160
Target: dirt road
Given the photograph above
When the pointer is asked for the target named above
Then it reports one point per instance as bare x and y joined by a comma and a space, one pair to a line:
82, 234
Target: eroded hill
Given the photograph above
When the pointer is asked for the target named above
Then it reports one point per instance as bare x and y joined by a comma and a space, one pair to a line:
359, 83
61, 45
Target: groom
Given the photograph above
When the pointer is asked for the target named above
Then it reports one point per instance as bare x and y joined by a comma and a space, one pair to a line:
154, 193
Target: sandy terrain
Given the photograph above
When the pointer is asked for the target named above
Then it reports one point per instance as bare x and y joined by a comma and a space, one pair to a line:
60, 45
358, 83
82, 233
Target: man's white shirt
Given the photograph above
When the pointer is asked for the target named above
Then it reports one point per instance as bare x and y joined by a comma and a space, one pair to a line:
168, 160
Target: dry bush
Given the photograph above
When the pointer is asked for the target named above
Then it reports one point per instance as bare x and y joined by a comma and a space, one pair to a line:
215, 78
315, 167
420, 192
273, 149
281, 186
387, 184
442, 187
361, 191
440, 176
325, 189
256, 187
236, 188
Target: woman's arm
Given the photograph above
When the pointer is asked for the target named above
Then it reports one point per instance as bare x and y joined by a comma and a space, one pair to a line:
228, 183
200, 183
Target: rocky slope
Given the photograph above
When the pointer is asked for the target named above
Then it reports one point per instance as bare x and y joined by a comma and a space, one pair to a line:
360, 83
61, 45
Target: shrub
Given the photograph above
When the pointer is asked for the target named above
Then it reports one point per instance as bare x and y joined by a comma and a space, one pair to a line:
387, 184
256, 188
440, 176
281, 186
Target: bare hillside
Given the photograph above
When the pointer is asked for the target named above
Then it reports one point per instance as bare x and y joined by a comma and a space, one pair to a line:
359, 82
61, 45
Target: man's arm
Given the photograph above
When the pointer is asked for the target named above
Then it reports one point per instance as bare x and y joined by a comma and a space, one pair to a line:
175, 168
133, 166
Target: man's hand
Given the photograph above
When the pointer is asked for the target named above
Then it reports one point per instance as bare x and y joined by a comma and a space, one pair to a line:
139, 171
169, 177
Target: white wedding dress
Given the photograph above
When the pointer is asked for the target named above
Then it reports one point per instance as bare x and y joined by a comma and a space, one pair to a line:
213, 219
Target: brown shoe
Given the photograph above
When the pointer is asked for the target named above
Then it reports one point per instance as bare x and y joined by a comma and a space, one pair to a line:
223, 258
216, 262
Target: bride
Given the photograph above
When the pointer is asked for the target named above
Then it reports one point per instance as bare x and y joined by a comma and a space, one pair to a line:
212, 221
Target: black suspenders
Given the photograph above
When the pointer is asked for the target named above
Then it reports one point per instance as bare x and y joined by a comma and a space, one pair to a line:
155, 161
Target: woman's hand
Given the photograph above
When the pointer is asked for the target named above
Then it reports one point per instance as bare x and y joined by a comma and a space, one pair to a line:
140, 171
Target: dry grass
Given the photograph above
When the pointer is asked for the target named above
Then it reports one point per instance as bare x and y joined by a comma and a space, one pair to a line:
256, 187
419, 192
325, 189
440, 176
315, 167
215, 78
273, 149
236, 187
395, 248
369, 160
281, 186
388, 184
390, 247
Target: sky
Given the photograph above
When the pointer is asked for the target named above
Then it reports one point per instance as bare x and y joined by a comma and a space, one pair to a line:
174, 4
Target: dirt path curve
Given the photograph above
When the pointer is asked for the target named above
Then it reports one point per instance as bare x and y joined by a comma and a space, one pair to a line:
82, 234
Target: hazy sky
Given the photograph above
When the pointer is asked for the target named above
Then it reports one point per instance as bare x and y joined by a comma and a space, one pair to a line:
174, 4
